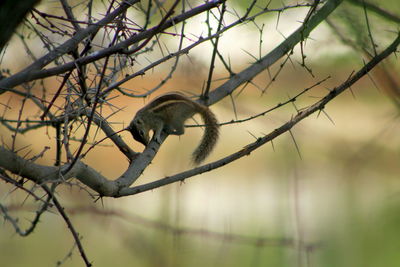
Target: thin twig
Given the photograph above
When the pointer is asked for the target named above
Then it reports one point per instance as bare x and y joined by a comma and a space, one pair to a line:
71, 227
33, 224
215, 49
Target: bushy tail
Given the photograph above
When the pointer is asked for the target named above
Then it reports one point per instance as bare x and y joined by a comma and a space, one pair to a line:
210, 136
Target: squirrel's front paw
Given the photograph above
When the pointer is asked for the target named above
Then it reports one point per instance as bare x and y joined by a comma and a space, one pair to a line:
157, 138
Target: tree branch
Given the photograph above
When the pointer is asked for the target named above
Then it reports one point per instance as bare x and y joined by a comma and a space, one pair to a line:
30, 72
120, 187
318, 106
35, 71
376, 9
268, 60
11, 14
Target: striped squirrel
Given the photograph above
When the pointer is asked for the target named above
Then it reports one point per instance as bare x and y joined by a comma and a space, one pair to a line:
168, 113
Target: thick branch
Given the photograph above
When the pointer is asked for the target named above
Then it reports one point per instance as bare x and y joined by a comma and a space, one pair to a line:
11, 14
268, 60
41, 174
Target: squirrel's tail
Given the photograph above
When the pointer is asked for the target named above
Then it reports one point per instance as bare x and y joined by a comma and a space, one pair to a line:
210, 136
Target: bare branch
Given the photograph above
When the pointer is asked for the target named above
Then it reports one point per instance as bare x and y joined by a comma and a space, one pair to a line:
34, 222
71, 227
28, 74
376, 9
34, 71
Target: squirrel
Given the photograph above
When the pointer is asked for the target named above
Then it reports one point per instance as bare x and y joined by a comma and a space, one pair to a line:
168, 113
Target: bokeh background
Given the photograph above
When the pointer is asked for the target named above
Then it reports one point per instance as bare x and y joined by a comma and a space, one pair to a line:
332, 201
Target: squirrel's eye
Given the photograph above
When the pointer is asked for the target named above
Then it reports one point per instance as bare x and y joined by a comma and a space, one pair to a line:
139, 122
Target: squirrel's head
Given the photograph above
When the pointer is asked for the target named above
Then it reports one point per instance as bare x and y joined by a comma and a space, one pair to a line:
139, 131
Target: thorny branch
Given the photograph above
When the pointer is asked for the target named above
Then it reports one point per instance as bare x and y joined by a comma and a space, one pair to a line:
33, 224
304, 113
140, 161
67, 220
